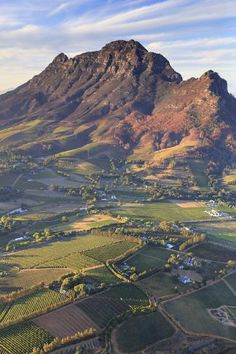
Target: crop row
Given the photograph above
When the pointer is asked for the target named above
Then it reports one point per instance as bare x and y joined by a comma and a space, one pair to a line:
109, 252
75, 261
22, 338
31, 258
26, 306
101, 309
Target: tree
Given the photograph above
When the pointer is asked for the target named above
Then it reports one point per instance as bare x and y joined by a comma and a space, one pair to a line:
133, 277
48, 233
231, 263
165, 226
64, 218
80, 289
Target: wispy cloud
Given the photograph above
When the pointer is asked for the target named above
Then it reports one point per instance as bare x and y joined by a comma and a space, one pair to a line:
194, 35
66, 6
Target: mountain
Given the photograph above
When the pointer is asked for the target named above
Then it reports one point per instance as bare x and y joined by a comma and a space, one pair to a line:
119, 101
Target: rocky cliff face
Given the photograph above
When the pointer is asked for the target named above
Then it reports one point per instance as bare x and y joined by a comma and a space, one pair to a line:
122, 76
122, 95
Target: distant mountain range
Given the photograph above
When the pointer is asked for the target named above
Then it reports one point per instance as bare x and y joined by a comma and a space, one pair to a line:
120, 101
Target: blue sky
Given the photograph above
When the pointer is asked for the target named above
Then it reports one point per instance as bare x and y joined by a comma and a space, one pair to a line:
194, 35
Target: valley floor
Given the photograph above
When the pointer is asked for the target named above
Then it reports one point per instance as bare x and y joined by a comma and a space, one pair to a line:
86, 259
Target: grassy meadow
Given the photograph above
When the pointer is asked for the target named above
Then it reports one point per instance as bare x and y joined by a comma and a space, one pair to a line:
142, 332
191, 310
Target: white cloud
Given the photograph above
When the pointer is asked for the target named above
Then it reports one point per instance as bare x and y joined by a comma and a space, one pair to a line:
167, 13
60, 8
66, 5
185, 31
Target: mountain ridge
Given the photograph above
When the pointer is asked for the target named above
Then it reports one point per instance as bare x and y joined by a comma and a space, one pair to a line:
121, 95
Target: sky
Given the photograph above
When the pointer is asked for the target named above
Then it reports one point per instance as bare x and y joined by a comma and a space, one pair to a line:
194, 35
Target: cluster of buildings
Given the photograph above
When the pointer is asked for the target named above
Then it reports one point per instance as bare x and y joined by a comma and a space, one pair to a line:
125, 269
104, 197
184, 275
212, 203
213, 212
216, 213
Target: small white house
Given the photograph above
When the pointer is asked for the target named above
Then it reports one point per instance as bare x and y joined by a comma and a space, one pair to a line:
185, 228
113, 197
17, 211
21, 238
169, 246
175, 226
212, 203
189, 261
184, 279
144, 238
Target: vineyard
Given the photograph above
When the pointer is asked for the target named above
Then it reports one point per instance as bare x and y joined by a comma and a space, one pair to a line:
102, 309
75, 261
107, 305
23, 337
28, 305
102, 275
148, 258
25, 278
65, 321
38, 256
143, 263
107, 252
129, 294
143, 331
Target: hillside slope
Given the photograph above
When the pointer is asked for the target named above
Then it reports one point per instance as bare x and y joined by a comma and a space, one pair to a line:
121, 100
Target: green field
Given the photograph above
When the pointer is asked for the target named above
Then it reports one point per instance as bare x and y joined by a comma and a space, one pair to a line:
220, 231
198, 169
86, 223
129, 294
107, 252
156, 252
191, 310
162, 211
102, 309
22, 338
131, 195
144, 263
8, 179
38, 256
231, 280
102, 275
233, 310
75, 261
230, 179
107, 305
162, 284
37, 302
140, 331
148, 258
27, 278
213, 252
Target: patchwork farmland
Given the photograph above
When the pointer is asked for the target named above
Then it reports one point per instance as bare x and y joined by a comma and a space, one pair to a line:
82, 290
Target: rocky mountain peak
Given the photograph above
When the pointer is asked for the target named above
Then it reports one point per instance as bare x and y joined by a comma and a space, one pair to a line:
217, 85
121, 45
60, 58
121, 94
